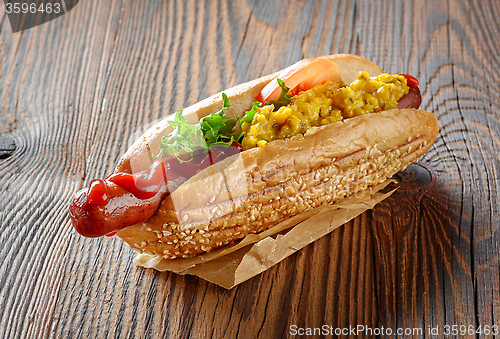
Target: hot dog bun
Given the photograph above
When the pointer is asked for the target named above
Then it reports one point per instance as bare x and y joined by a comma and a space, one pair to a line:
260, 187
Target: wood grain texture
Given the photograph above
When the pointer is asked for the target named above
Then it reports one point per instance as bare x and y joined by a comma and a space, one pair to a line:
75, 92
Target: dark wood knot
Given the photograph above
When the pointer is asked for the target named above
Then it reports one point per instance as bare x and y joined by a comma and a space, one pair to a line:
415, 178
7, 145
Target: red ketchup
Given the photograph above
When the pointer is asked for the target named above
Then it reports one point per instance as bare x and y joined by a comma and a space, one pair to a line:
124, 199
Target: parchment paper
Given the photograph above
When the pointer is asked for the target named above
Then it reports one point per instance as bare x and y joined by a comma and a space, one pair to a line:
238, 262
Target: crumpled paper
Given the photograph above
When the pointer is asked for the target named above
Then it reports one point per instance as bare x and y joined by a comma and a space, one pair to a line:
235, 263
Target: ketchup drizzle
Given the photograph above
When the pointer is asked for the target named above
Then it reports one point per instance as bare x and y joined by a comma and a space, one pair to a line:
138, 195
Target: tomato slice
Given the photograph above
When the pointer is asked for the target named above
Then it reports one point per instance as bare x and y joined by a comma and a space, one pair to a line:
301, 76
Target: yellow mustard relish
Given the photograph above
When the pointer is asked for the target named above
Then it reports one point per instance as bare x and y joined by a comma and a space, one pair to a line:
322, 105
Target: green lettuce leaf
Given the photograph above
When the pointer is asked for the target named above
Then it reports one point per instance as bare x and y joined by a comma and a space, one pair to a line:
213, 130
284, 97
217, 127
248, 117
184, 139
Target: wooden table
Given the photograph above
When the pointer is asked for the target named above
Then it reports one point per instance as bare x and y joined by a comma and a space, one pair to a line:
76, 91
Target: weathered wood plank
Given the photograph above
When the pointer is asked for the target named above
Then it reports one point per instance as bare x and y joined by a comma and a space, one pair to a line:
75, 92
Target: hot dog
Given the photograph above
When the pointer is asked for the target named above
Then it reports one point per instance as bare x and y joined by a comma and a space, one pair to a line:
321, 132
